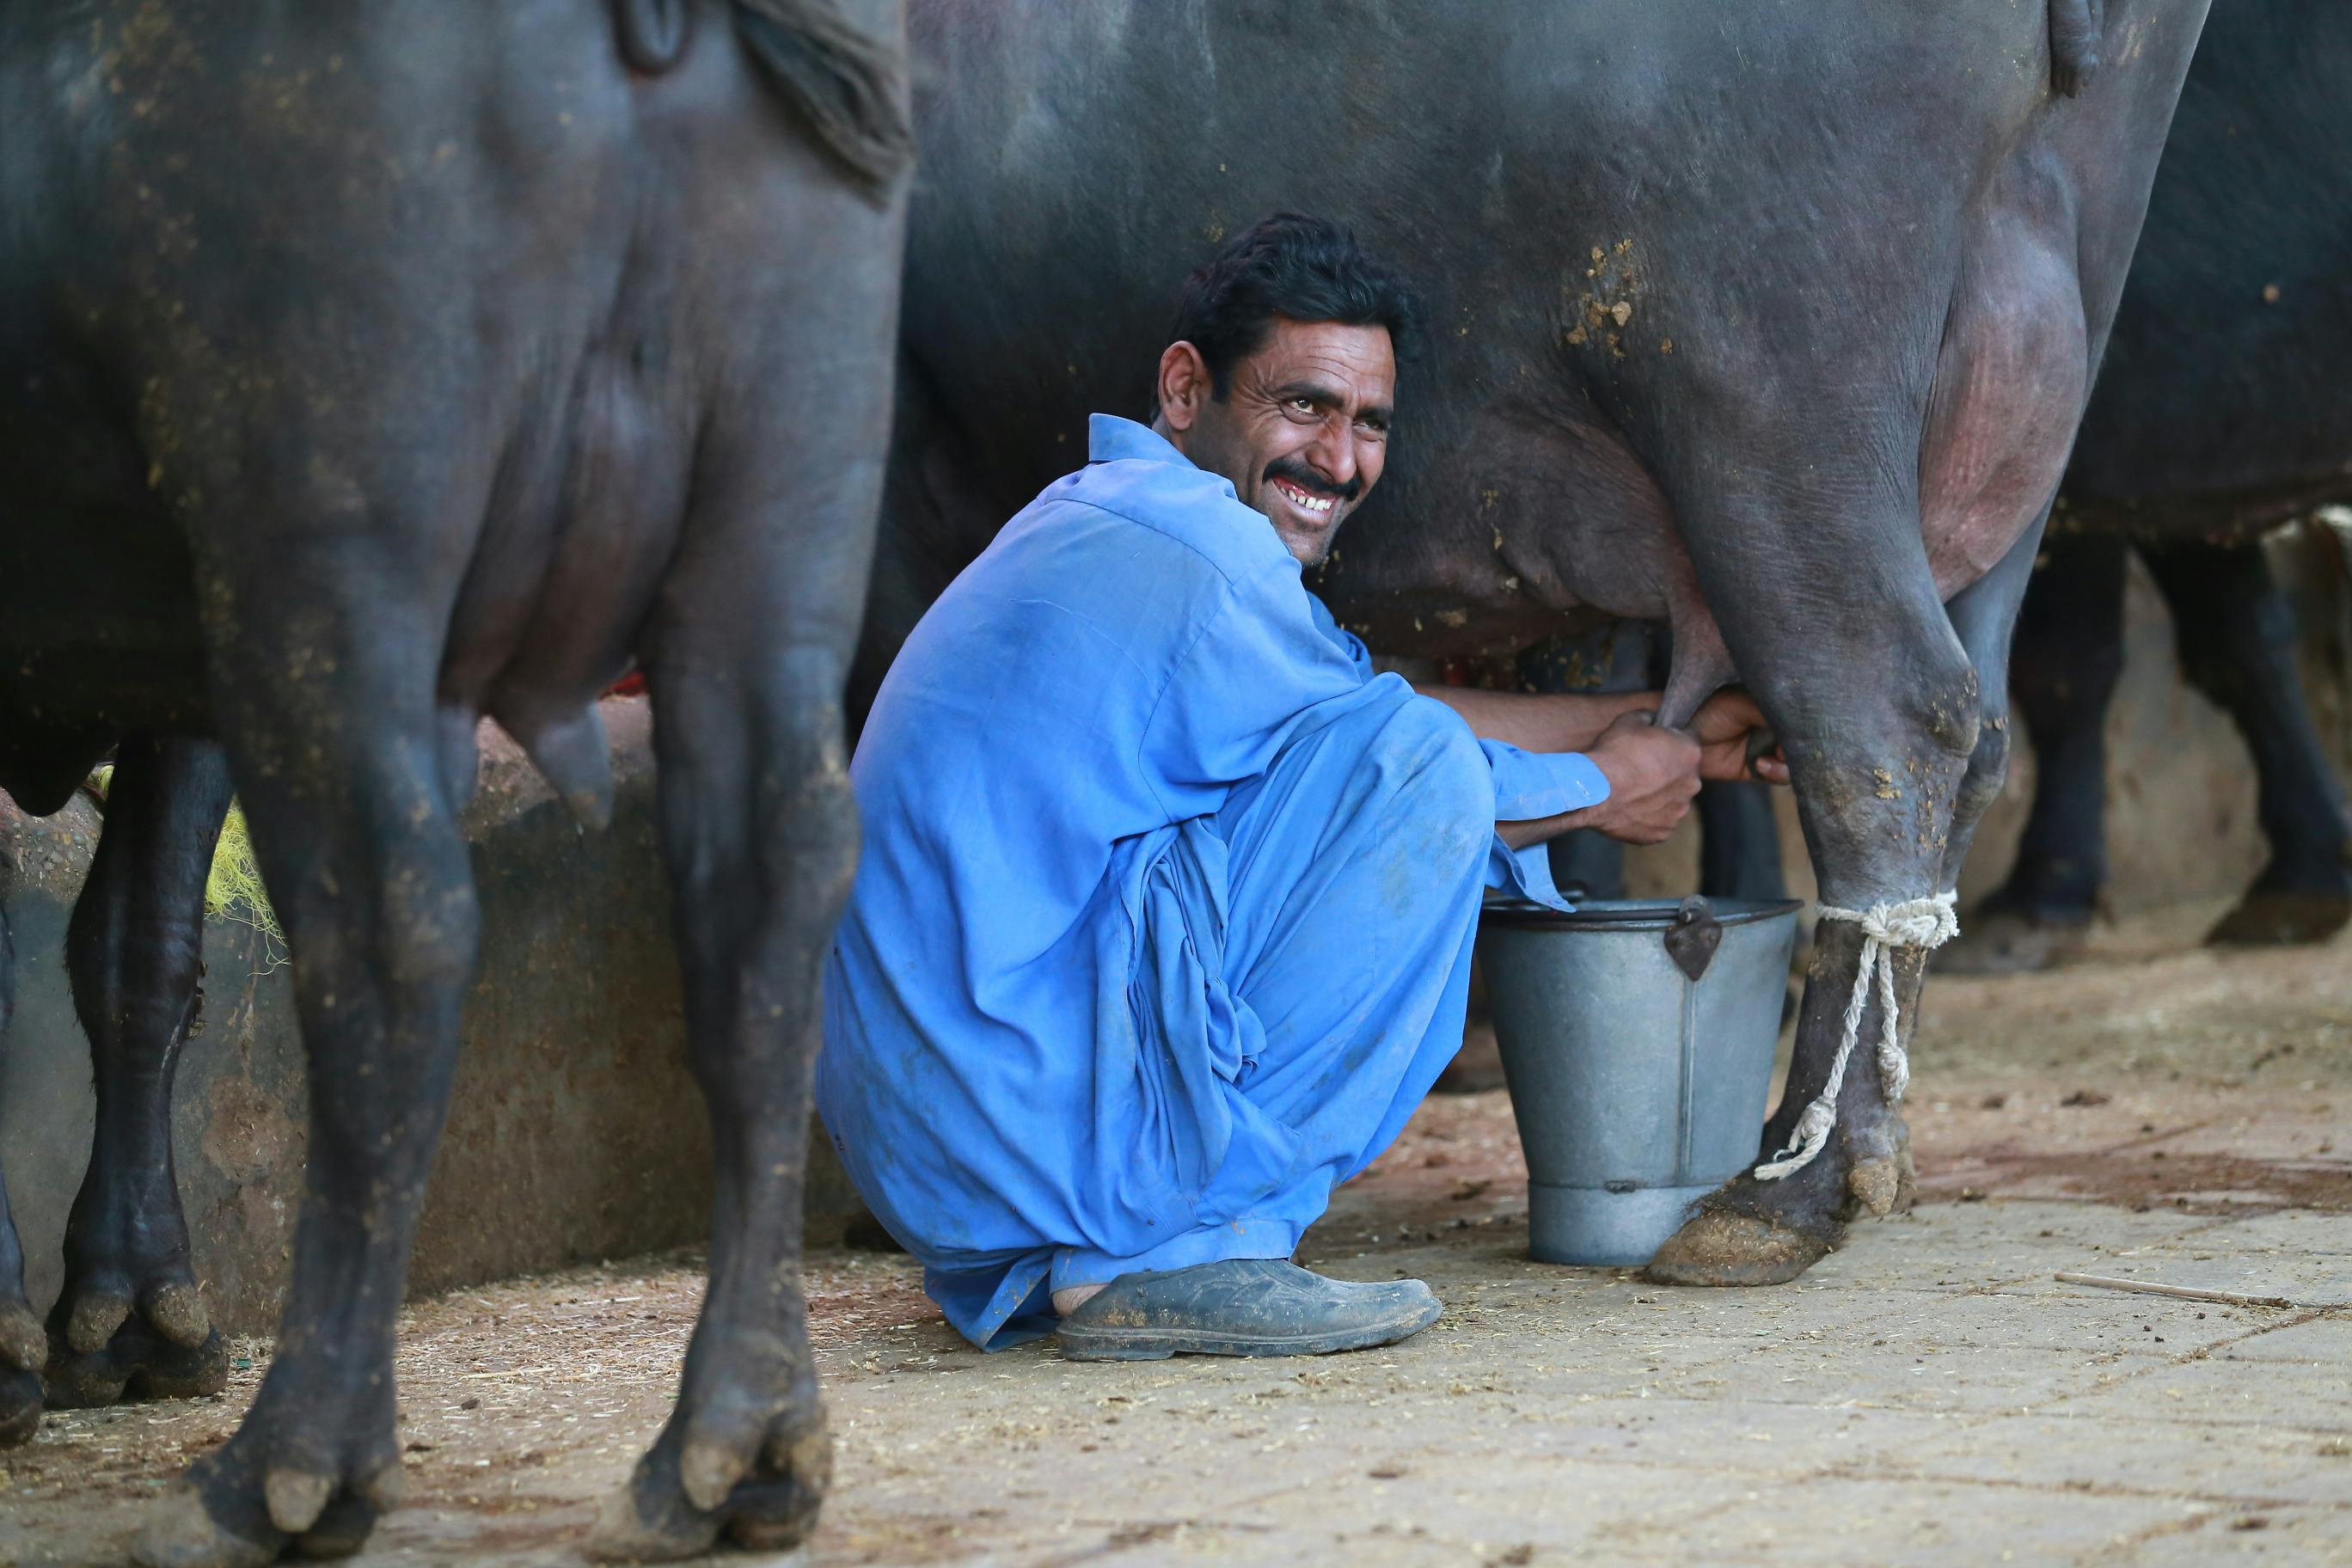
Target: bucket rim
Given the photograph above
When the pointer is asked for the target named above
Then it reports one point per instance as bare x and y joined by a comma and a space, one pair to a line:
1630, 914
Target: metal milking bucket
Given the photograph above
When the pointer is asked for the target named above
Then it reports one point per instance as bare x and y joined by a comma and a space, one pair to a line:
1637, 1038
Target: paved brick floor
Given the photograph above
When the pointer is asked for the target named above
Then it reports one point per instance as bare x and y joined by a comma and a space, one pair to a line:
1929, 1395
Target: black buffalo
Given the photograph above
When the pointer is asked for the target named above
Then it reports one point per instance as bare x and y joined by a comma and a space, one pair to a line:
364, 370
1774, 323
2223, 410
2219, 415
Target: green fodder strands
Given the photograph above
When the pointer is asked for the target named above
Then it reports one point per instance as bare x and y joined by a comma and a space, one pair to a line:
233, 888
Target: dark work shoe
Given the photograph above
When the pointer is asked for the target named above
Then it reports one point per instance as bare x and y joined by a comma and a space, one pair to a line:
1241, 1306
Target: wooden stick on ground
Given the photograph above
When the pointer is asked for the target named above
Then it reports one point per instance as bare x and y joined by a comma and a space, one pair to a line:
2185, 1293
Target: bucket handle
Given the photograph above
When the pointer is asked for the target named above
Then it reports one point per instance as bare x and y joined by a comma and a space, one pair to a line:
1692, 940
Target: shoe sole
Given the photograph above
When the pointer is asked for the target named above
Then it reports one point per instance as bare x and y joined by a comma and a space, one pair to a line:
1144, 1344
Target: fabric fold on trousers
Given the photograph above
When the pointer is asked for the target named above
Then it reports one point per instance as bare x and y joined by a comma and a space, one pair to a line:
1281, 984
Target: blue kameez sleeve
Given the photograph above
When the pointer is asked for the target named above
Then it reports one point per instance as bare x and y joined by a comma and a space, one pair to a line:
1528, 786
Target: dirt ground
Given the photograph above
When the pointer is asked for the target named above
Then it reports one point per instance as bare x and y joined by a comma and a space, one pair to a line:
1928, 1395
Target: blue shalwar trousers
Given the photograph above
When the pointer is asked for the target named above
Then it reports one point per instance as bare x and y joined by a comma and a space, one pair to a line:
1296, 969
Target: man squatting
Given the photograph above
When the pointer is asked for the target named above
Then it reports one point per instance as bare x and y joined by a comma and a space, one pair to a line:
1163, 924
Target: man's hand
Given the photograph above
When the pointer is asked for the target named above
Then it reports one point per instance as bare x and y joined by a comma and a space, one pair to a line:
1652, 775
1724, 724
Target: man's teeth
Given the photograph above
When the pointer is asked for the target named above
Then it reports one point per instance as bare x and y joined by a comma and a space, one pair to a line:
1304, 501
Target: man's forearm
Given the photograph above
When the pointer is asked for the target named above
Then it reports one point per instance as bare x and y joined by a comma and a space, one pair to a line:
1542, 829
1540, 721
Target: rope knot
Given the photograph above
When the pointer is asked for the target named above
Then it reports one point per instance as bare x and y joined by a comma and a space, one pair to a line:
1922, 922
1928, 924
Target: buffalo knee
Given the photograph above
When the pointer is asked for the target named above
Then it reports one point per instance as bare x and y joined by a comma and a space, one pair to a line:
1946, 704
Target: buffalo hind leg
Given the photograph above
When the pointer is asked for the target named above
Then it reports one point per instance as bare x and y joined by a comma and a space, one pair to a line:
1739, 857
130, 1314
1739, 843
2064, 661
23, 1346
748, 656
1614, 657
2236, 633
331, 728
761, 834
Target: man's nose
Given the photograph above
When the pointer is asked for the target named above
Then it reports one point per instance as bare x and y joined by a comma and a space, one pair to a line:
1334, 451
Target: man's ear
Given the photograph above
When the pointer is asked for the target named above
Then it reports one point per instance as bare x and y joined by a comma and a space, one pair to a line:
1184, 385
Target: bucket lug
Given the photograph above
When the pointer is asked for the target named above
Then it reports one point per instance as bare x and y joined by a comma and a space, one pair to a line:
1692, 940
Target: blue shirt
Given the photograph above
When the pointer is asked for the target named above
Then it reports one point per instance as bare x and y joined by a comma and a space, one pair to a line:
1131, 646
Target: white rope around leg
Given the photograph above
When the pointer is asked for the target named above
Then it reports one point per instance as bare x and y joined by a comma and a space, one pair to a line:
1917, 922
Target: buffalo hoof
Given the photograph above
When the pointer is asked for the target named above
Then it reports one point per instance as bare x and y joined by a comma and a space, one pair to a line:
1907, 1179
310, 1470
2282, 919
687, 1494
132, 1359
181, 1532
20, 1405
215, 1519
101, 1348
1722, 1247
22, 1348
2012, 941
23, 1344
1871, 1188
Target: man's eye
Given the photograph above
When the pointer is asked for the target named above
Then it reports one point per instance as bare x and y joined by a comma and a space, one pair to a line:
1303, 404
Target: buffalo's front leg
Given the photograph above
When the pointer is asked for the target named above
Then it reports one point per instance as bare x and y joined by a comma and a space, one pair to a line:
1892, 770
329, 717
130, 1314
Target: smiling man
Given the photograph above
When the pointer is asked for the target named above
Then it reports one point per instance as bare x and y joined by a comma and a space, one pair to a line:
1164, 919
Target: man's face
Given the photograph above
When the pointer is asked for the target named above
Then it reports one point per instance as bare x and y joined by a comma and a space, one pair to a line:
1302, 431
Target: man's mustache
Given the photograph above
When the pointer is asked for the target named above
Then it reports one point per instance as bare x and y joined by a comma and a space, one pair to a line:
1296, 470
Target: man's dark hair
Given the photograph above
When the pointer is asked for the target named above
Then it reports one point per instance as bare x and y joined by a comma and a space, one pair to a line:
1306, 269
